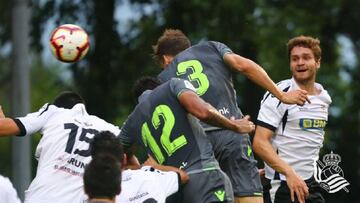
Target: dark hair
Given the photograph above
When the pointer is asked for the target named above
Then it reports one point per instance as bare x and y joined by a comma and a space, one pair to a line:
107, 142
307, 42
102, 177
68, 100
171, 42
144, 83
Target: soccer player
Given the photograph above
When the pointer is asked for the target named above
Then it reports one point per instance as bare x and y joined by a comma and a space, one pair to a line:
145, 184
7, 191
102, 179
165, 122
288, 137
64, 149
210, 66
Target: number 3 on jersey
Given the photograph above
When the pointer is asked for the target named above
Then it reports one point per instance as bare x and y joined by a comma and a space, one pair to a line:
164, 112
197, 75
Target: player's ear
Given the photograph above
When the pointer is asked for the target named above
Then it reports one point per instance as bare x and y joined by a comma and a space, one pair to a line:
317, 63
167, 60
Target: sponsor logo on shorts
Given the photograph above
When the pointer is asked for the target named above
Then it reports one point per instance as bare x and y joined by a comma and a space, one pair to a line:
220, 194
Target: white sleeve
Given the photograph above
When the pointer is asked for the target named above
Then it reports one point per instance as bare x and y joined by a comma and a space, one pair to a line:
7, 191
33, 122
169, 180
271, 112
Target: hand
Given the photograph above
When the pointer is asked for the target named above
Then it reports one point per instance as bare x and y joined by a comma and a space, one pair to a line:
297, 185
295, 97
150, 161
244, 125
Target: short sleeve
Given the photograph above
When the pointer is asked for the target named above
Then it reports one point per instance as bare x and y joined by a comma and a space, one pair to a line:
271, 112
222, 48
179, 86
33, 122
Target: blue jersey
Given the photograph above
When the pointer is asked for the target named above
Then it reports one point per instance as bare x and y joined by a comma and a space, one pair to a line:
167, 131
204, 67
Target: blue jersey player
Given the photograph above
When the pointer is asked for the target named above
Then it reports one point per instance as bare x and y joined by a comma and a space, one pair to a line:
209, 66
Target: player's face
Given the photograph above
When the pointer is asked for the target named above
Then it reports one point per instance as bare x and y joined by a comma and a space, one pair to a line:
303, 64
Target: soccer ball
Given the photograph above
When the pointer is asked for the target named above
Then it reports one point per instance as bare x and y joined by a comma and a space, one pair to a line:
69, 43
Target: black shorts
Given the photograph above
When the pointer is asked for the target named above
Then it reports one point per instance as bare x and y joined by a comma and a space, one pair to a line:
277, 191
209, 186
234, 154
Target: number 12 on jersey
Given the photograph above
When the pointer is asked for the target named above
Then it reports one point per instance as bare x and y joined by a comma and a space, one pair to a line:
164, 112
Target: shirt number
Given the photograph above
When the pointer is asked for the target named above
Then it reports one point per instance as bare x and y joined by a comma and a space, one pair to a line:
197, 75
83, 138
164, 112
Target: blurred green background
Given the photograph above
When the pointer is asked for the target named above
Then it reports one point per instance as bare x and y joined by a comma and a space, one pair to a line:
122, 32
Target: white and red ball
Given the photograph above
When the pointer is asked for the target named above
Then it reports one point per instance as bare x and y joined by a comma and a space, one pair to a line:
69, 43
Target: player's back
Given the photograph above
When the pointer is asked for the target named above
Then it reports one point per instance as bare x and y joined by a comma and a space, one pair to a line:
63, 151
167, 130
203, 66
147, 185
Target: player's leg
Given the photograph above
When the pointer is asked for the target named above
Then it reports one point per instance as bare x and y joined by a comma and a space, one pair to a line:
235, 156
249, 200
277, 191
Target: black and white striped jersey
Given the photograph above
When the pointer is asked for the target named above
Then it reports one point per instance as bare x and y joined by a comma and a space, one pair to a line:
298, 130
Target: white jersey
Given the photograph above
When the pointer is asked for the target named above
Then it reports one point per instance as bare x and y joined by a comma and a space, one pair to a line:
63, 151
7, 191
147, 184
298, 130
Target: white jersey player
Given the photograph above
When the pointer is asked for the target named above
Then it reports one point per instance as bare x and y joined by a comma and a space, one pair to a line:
147, 184
309, 119
7, 191
64, 149
289, 137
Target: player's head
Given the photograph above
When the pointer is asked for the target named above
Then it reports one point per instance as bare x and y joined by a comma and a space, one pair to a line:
144, 83
107, 142
102, 177
306, 42
68, 100
169, 44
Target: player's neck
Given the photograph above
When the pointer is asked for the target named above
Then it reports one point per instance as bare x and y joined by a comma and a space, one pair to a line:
309, 86
102, 200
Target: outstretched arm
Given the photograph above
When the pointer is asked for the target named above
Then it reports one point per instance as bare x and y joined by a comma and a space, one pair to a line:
8, 127
208, 114
258, 75
263, 148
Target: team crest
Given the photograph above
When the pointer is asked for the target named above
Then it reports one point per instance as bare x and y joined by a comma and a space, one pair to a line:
329, 174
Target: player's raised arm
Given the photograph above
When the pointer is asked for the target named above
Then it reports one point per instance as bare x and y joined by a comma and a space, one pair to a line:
207, 113
258, 75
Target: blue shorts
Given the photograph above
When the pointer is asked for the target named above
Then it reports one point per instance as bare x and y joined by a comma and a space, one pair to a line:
208, 186
234, 154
